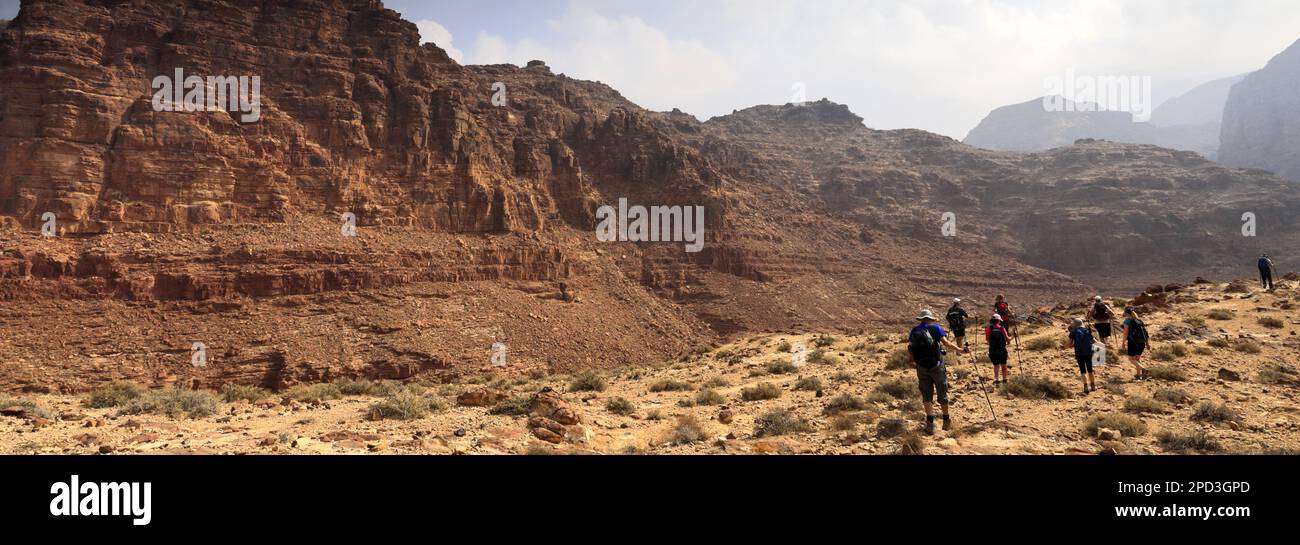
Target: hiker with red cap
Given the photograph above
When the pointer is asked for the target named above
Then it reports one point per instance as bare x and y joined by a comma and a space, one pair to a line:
996, 336
925, 348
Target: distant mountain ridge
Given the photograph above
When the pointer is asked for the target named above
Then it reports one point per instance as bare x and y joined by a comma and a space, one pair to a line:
1261, 121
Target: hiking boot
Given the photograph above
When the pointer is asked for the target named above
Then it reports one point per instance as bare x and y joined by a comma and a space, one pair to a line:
947, 423
929, 426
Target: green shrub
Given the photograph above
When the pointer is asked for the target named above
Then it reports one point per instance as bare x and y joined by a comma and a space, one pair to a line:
515, 406
823, 341
911, 444
1271, 322
1123, 423
587, 381
28, 405
1277, 373
1027, 387
899, 359
1136, 404
405, 403
891, 427
898, 388
764, 390
173, 403
808, 384
1041, 343
842, 376
236, 392
784, 346
1247, 346
1167, 372
1214, 412
780, 422
687, 430
1182, 442
781, 367
844, 403
823, 357
1196, 321
113, 394
1221, 314
715, 382
1219, 342
314, 393
709, 398
620, 406
670, 385
362, 387
1171, 395
1171, 352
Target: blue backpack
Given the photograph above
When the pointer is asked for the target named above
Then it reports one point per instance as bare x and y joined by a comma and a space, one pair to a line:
1082, 342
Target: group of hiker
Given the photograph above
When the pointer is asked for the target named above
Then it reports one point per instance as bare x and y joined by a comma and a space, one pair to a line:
926, 343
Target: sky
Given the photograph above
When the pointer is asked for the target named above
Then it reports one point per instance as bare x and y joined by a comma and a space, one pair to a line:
938, 65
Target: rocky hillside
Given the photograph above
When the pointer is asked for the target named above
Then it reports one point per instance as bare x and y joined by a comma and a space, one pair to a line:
475, 215
1224, 380
1030, 127
1261, 123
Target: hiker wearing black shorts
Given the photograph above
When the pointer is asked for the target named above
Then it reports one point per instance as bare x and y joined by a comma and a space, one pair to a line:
1266, 272
1101, 315
1134, 331
1082, 342
925, 348
997, 338
957, 322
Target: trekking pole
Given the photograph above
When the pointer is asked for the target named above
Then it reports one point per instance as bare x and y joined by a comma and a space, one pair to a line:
980, 374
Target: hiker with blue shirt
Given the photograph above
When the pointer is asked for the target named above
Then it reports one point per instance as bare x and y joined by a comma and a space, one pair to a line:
925, 348
1081, 341
1266, 272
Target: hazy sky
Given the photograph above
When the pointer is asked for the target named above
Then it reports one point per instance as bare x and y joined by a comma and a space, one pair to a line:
938, 65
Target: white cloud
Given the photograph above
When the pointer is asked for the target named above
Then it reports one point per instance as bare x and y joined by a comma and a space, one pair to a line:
432, 31
939, 65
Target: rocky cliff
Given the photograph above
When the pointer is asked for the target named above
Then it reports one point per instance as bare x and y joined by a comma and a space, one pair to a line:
474, 193
1261, 123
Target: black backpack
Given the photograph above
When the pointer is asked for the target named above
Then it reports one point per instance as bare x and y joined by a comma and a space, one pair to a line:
924, 347
1101, 312
1137, 333
956, 318
997, 340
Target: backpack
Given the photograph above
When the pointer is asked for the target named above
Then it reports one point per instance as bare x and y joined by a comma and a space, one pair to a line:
1082, 342
923, 346
1003, 310
1101, 312
1264, 263
1137, 333
956, 318
997, 340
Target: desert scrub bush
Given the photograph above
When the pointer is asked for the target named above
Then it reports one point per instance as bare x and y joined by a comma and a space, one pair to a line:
314, 393
784, 346
808, 384
898, 388
911, 444
1140, 405
1182, 442
173, 403
361, 387
1195, 321
780, 422
515, 406
763, 390
1027, 387
1221, 314
842, 376
687, 430
231, 393
823, 341
1124, 424
891, 427
715, 382
113, 394
587, 381
1040, 344
844, 403
1169, 352
1215, 413
654, 415
1171, 395
1277, 373
1247, 346
899, 359
1167, 372
821, 356
405, 403
782, 366
1219, 342
1116, 387
709, 398
31, 407
620, 406
1270, 322
670, 385
536, 374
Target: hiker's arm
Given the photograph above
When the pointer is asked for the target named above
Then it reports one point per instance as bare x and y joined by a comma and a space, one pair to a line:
953, 345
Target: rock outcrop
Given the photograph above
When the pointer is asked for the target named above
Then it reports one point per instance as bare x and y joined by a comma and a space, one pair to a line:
1261, 123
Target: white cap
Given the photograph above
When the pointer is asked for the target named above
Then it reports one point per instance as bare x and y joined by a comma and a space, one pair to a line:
957, 300
1097, 298
926, 314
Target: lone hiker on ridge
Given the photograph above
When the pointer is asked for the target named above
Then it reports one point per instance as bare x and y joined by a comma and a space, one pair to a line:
957, 322
1101, 316
1081, 341
1266, 272
925, 348
996, 336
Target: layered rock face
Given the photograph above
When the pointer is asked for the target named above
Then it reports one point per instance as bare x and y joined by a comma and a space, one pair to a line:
1261, 123
474, 192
